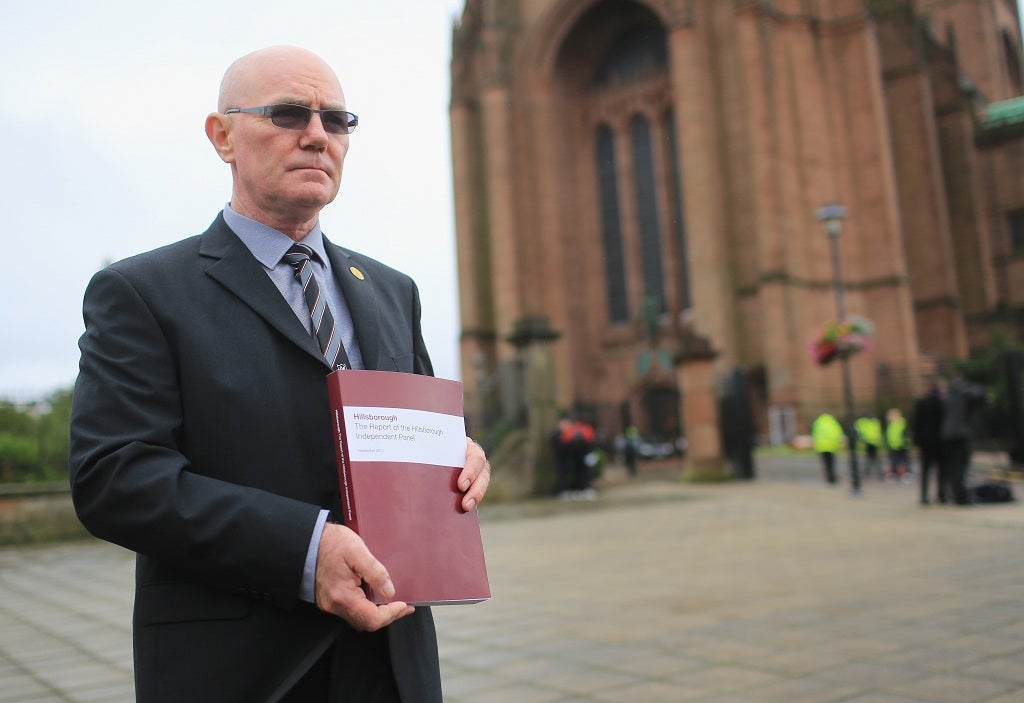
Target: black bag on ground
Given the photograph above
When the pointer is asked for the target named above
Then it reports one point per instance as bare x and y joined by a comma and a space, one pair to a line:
992, 492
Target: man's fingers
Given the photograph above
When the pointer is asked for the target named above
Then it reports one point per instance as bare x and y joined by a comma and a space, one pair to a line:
394, 611
369, 569
367, 617
476, 494
475, 477
343, 564
356, 557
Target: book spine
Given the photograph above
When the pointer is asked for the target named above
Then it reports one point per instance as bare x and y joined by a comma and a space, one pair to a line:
348, 506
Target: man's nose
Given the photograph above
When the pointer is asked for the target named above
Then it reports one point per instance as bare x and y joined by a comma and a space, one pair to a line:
314, 134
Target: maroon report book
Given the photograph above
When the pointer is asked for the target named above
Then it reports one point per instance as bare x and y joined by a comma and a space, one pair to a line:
400, 440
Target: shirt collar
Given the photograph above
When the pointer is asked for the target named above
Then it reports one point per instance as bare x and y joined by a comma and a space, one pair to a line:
267, 244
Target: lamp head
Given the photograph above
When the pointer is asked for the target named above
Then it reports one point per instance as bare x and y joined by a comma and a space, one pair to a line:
832, 215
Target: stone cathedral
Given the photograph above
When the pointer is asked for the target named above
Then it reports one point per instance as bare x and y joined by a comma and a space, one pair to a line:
636, 189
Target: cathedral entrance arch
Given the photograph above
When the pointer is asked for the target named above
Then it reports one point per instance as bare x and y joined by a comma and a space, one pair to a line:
660, 407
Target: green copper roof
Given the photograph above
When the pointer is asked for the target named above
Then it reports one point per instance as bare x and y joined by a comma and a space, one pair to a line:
1004, 113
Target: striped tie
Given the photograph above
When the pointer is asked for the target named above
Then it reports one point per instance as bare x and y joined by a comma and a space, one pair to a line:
324, 329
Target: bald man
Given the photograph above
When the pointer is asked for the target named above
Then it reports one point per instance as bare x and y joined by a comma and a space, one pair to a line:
200, 434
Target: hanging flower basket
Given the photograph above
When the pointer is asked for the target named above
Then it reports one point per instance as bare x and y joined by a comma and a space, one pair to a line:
840, 340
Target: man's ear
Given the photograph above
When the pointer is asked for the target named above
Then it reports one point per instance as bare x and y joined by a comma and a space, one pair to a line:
218, 130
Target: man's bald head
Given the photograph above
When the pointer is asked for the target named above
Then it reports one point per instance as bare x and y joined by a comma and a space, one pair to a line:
282, 174
242, 79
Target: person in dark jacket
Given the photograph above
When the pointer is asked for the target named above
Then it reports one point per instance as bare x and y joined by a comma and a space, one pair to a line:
962, 400
563, 458
201, 437
926, 431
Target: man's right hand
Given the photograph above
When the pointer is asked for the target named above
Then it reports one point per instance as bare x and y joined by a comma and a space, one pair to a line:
343, 563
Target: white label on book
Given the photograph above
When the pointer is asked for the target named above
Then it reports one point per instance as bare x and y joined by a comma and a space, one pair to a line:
405, 435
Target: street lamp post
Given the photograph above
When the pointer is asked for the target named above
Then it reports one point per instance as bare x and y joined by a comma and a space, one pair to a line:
833, 216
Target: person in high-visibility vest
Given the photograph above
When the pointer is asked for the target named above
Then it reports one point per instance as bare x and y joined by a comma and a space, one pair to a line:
896, 442
869, 436
827, 439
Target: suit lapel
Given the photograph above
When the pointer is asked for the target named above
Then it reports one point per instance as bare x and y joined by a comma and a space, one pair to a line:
234, 267
361, 302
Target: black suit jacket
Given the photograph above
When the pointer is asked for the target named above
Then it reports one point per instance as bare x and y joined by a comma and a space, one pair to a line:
200, 439
926, 427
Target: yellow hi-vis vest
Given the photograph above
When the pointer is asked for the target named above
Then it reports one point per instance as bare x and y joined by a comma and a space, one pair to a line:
869, 430
896, 433
827, 434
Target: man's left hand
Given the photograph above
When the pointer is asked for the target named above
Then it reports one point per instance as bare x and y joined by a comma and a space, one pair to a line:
475, 477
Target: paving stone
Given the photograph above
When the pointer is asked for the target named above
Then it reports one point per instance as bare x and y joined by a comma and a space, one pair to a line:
761, 592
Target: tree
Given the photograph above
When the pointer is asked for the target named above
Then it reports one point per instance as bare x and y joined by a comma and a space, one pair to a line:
34, 439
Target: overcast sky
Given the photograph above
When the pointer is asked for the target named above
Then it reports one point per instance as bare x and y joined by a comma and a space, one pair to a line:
101, 117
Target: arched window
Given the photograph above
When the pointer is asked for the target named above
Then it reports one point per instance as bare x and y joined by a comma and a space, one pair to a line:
629, 85
611, 228
1013, 69
678, 214
649, 225
637, 54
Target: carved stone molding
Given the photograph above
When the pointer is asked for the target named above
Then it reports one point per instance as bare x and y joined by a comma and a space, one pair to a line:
681, 13
747, 4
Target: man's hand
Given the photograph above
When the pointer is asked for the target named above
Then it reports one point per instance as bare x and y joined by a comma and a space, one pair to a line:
342, 564
475, 477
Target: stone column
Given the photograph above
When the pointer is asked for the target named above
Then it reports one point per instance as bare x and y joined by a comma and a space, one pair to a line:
533, 338
695, 376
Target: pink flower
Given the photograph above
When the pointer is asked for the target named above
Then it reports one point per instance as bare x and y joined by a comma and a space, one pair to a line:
840, 340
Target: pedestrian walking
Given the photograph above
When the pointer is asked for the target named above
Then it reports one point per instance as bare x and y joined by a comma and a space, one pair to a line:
962, 401
632, 438
827, 438
896, 443
868, 429
926, 432
563, 457
576, 441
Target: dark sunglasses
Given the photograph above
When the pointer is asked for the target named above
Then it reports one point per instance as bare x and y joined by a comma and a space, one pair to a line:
288, 116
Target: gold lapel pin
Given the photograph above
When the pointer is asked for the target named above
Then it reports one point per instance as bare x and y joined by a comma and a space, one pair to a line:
357, 273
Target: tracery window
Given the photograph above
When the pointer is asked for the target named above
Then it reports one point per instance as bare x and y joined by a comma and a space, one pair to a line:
645, 192
611, 232
638, 176
637, 54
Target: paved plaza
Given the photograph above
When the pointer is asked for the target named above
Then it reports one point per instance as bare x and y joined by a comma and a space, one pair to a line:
780, 589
